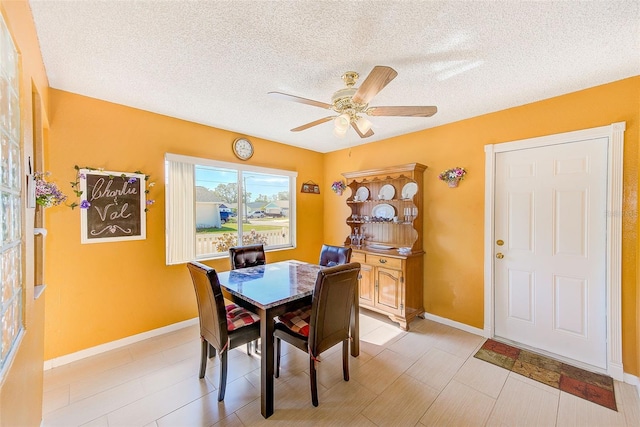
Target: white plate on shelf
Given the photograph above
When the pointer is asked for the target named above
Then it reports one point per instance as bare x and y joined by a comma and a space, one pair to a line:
383, 210
362, 193
409, 190
387, 192
376, 246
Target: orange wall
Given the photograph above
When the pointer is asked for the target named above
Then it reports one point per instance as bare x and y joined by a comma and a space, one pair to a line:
95, 133
102, 292
454, 219
21, 386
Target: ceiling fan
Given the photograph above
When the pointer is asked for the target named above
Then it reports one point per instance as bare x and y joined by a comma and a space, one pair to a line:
351, 103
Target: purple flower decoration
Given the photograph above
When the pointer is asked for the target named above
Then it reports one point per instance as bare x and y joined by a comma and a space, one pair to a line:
85, 204
453, 174
150, 202
132, 180
82, 176
47, 193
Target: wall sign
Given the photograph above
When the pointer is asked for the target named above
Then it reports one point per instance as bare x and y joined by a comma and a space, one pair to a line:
113, 206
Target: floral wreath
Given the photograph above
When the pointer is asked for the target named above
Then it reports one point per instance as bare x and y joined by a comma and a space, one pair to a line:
85, 204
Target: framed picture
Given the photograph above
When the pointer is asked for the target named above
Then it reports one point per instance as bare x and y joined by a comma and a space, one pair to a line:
113, 206
310, 187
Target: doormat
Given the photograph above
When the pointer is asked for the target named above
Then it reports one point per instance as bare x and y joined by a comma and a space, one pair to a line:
590, 386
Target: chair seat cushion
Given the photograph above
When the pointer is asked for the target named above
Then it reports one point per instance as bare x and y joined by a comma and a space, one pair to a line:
237, 317
297, 321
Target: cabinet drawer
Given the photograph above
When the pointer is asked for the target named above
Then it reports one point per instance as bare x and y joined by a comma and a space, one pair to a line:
358, 257
382, 261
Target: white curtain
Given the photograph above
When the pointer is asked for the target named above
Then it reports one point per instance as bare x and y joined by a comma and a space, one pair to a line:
181, 223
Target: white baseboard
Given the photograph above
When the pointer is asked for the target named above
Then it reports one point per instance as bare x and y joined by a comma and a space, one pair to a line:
454, 324
633, 380
68, 358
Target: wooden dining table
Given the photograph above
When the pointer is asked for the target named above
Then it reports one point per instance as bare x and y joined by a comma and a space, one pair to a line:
270, 290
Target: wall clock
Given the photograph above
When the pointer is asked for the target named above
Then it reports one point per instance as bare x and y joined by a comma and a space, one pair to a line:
242, 148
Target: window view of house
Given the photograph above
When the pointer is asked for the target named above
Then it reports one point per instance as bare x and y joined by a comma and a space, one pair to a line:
239, 208
232, 206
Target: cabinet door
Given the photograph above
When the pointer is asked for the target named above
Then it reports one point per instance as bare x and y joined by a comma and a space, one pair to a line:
388, 292
366, 282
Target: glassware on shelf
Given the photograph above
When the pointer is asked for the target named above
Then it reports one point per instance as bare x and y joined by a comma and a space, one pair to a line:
410, 214
357, 238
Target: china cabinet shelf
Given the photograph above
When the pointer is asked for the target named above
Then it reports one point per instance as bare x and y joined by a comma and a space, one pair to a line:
390, 282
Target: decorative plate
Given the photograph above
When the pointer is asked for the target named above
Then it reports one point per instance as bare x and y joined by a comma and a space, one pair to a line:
383, 210
362, 193
387, 192
377, 246
409, 190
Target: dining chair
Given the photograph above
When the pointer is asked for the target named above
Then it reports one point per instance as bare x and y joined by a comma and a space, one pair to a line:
222, 328
325, 323
247, 256
334, 255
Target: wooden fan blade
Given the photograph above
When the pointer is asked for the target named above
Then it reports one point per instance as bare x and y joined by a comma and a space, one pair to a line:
314, 123
377, 79
402, 111
294, 98
362, 135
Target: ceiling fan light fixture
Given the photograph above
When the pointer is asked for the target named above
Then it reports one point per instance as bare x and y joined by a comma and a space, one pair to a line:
339, 132
351, 103
363, 124
341, 123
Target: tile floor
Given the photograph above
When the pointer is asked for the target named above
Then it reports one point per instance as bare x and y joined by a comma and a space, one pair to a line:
427, 376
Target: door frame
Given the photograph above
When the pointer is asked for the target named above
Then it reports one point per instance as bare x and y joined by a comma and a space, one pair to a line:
615, 142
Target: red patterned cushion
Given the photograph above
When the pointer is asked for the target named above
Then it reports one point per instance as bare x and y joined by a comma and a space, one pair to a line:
297, 321
237, 317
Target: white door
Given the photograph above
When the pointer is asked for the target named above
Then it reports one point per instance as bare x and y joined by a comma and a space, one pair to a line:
550, 214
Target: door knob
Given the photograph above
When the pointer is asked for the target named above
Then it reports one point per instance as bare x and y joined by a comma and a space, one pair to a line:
499, 255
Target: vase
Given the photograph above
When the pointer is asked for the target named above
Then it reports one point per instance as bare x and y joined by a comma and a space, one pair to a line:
339, 192
453, 183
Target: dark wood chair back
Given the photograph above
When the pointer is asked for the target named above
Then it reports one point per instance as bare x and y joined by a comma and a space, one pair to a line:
333, 298
221, 328
334, 255
328, 320
247, 256
211, 311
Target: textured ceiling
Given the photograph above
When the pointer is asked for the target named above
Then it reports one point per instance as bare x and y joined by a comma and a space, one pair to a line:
213, 62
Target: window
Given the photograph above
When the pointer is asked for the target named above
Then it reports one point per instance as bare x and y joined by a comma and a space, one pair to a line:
11, 289
213, 205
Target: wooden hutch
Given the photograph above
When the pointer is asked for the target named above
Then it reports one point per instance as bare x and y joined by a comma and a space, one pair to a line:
386, 215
